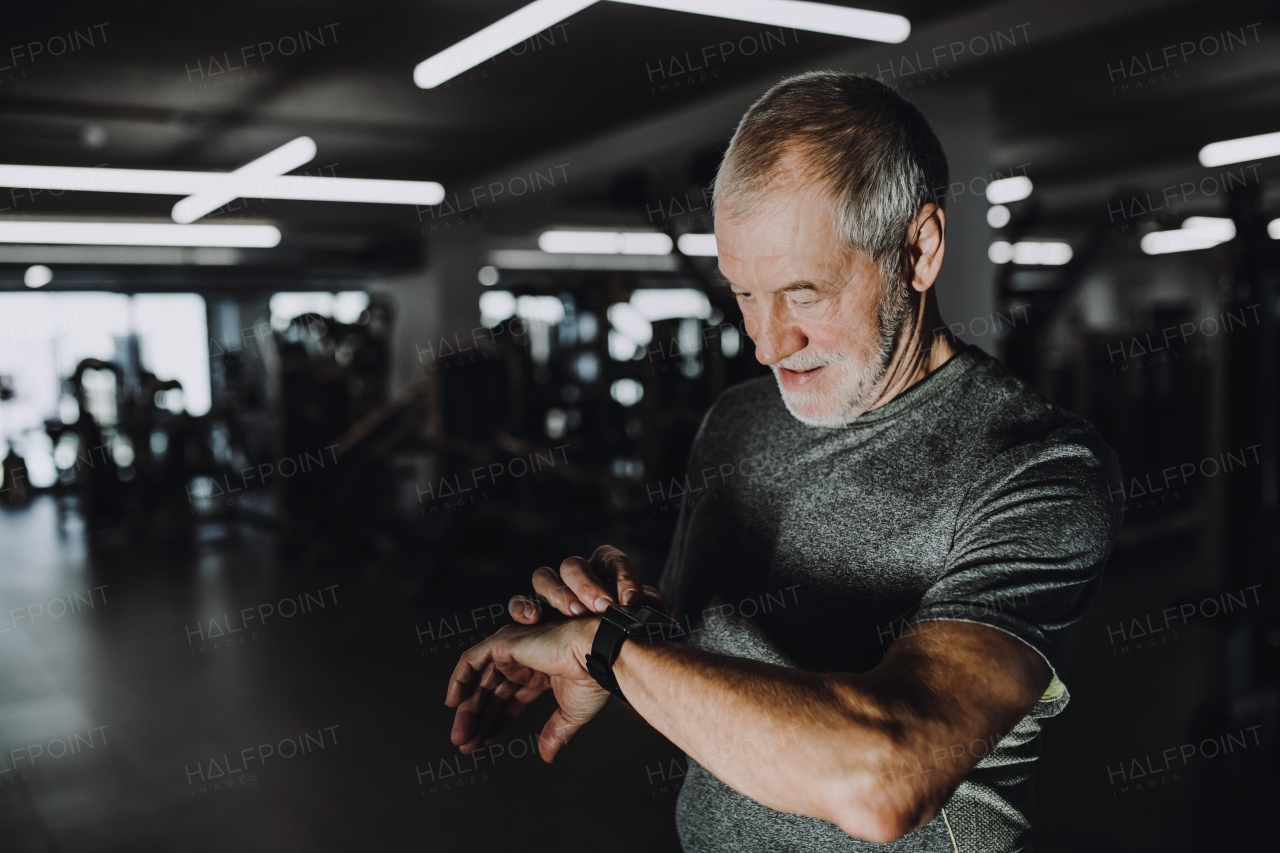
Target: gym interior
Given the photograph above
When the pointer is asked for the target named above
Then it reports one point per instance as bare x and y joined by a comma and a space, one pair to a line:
272, 462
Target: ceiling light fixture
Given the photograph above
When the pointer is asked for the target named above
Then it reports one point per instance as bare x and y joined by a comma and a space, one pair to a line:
998, 216
140, 234
1197, 232
1006, 190
1030, 252
240, 183
605, 242
698, 245
542, 14
1240, 150
167, 182
668, 303
37, 276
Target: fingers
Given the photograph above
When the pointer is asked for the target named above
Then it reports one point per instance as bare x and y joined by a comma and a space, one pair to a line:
487, 716
491, 679
581, 586
548, 584
517, 676
464, 683
578, 575
526, 611
556, 733
469, 716
469, 727
486, 708
653, 598
533, 690
613, 565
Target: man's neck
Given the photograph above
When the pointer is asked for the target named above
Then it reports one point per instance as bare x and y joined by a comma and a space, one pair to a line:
923, 346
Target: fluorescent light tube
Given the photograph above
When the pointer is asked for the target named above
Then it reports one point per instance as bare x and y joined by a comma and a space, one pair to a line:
1224, 224
306, 188
140, 234
605, 242
1197, 232
1041, 253
797, 14
493, 39
1030, 252
542, 14
698, 245
286, 158
666, 303
1239, 150
1008, 190
165, 182
540, 309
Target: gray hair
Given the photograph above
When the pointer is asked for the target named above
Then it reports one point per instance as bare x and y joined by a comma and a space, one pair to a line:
871, 149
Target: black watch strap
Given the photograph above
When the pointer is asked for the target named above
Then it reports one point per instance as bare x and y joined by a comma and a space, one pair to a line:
604, 651
615, 627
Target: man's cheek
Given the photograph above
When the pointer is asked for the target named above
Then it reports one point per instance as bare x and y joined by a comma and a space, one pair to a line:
831, 333
853, 321
831, 312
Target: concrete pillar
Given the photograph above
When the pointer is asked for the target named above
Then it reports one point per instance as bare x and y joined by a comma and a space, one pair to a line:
438, 301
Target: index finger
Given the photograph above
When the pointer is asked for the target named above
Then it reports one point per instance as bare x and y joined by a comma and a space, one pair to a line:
609, 562
578, 576
525, 610
467, 675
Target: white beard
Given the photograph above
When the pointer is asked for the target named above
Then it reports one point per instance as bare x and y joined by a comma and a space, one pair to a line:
831, 407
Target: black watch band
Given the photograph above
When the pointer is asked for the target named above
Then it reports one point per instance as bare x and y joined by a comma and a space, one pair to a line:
617, 624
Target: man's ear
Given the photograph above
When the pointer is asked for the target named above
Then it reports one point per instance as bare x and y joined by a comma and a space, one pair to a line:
926, 245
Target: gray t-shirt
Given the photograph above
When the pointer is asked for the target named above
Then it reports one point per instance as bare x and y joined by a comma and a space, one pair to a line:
969, 497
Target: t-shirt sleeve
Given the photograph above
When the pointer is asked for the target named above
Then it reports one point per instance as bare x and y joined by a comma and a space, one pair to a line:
1031, 540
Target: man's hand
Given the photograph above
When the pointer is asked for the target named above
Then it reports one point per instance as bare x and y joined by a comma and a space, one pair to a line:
495, 680
587, 586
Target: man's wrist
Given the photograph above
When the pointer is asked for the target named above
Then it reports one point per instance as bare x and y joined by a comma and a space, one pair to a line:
587, 636
635, 656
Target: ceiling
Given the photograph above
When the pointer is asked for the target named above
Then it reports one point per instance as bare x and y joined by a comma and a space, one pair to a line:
146, 95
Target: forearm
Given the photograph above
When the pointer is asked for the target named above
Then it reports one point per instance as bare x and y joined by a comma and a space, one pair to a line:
798, 742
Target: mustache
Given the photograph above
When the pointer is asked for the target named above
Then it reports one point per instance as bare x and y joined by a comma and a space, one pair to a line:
811, 359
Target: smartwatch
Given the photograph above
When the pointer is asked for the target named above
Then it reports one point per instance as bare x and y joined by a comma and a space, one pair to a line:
617, 623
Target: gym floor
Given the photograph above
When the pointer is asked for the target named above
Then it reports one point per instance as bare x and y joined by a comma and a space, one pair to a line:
183, 703
111, 714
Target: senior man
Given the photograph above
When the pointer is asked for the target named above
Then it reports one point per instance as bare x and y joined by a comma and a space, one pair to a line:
905, 490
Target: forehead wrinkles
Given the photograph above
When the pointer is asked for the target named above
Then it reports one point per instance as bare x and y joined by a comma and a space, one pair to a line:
789, 238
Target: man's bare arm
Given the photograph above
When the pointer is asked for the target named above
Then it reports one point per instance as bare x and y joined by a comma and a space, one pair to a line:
873, 753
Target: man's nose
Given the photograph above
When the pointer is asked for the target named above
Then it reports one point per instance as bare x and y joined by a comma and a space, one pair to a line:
775, 335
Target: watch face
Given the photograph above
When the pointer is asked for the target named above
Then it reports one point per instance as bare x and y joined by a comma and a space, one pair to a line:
640, 613
642, 620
